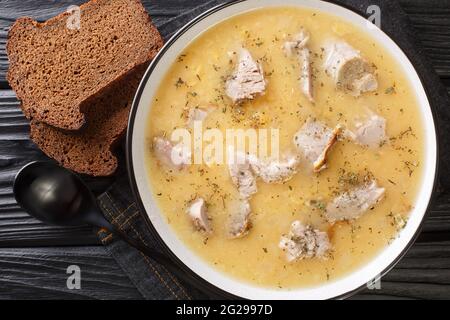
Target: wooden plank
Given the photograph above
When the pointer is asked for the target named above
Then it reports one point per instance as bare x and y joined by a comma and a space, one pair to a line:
18, 229
430, 19
40, 273
423, 274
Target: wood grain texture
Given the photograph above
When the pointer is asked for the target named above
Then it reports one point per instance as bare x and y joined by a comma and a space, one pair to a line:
40, 273
422, 274
432, 23
37, 270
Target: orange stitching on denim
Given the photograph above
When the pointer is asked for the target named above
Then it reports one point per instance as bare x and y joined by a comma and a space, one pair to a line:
105, 207
107, 238
114, 219
158, 275
103, 239
170, 275
128, 219
123, 223
110, 214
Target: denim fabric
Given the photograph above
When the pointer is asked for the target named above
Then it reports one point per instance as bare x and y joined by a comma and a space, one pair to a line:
118, 205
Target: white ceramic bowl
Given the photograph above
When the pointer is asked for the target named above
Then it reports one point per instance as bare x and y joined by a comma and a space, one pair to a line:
136, 144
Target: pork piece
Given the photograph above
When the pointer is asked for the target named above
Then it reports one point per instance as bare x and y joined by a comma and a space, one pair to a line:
352, 204
239, 223
247, 81
169, 155
198, 114
275, 171
304, 242
306, 82
321, 161
372, 132
299, 41
198, 213
366, 83
243, 178
298, 47
350, 72
315, 141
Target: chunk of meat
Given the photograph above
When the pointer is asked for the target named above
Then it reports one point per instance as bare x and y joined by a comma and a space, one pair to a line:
315, 141
243, 178
299, 41
350, 72
199, 216
372, 132
366, 83
304, 242
275, 171
239, 223
321, 161
298, 47
198, 114
172, 156
247, 81
306, 82
352, 204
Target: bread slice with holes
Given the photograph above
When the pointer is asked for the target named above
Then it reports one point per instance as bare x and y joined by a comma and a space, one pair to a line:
90, 150
55, 67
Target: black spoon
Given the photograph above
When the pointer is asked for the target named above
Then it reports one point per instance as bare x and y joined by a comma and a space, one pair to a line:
55, 195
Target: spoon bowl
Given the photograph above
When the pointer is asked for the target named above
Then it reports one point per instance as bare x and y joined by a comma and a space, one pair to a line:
55, 195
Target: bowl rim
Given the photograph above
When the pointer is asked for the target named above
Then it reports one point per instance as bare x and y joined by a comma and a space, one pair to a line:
202, 283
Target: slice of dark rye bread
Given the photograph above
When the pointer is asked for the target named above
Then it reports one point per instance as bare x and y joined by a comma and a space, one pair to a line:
54, 69
89, 150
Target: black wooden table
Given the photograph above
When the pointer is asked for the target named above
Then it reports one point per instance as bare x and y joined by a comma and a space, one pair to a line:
34, 256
